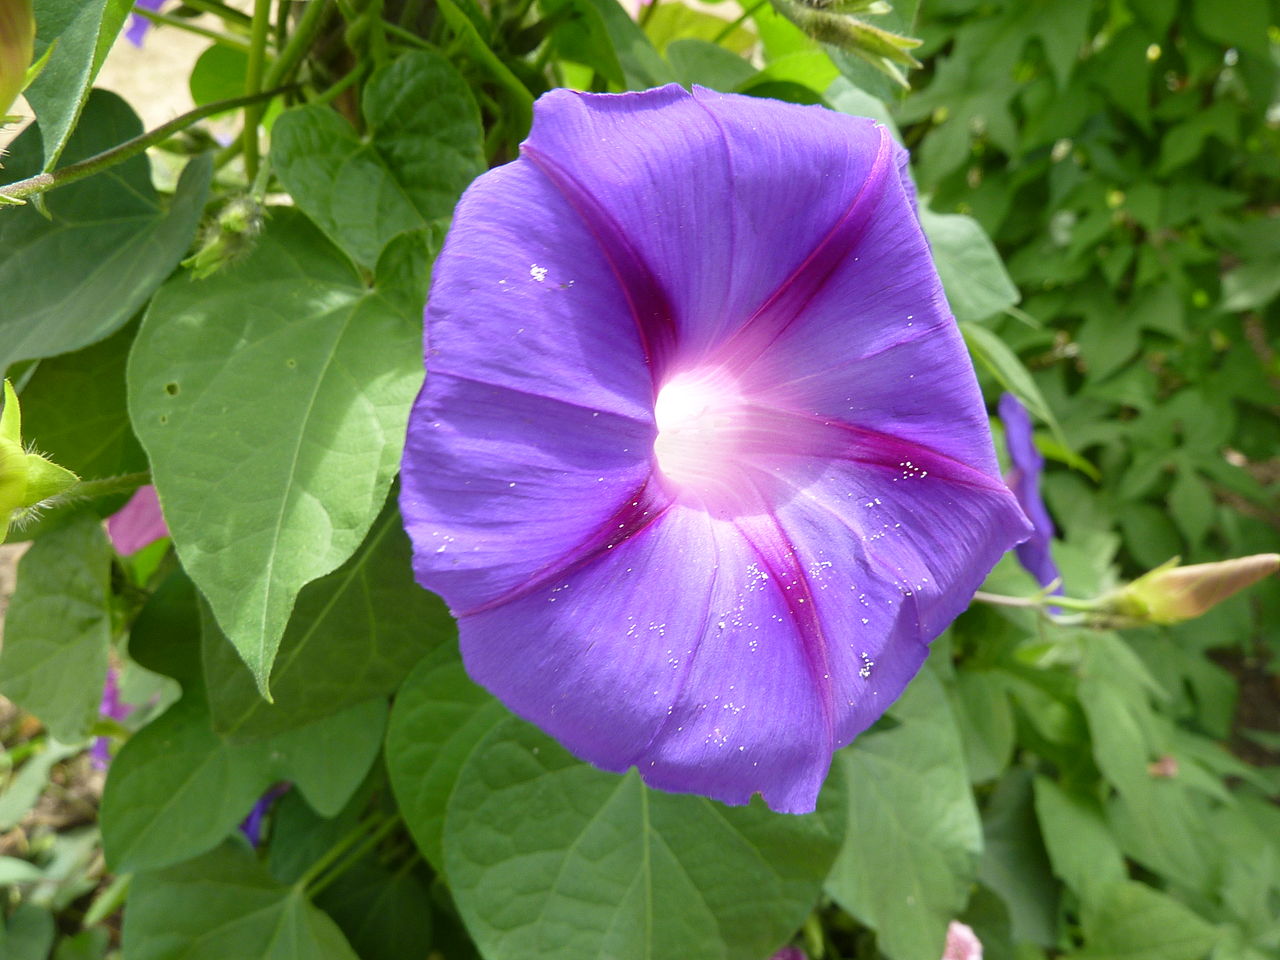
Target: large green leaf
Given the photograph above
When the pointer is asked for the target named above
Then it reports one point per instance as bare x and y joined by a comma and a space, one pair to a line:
58, 628
178, 787
224, 905
73, 278
424, 144
1080, 845
550, 857
972, 273
1131, 921
913, 838
272, 399
438, 720
80, 32
74, 410
354, 635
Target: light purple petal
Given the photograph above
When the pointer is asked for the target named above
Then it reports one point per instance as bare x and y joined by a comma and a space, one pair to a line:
138, 25
700, 462
1024, 479
112, 708
138, 523
789, 953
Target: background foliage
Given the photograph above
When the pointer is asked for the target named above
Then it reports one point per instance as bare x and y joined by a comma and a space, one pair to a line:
1102, 183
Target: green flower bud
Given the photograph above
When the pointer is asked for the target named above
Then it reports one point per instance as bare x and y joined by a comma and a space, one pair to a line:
27, 480
17, 44
1170, 593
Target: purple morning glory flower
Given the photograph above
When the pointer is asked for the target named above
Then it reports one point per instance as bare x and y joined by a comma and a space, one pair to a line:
1024, 480
700, 463
138, 523
139, 25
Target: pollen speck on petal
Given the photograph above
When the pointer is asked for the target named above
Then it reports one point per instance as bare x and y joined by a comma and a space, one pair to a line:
704, 514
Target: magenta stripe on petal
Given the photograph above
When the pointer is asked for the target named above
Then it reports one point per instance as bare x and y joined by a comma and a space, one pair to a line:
700, 462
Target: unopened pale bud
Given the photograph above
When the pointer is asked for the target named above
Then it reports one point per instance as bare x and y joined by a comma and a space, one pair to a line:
17, 44
1170, 593
27, 480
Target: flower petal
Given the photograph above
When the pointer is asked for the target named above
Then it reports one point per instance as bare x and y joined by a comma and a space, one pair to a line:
673, 653
501, 489
711, 234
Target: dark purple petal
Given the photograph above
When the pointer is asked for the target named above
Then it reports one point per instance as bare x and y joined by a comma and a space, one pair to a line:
251, 826
139, 25
789, 953
138, 523
1024, 480
700, 462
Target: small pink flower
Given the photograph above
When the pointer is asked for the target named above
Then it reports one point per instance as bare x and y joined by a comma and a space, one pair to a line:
138, 523
962, 943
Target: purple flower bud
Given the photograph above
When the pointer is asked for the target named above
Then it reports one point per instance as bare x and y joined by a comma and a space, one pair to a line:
700, 464
1024, 480
790, 953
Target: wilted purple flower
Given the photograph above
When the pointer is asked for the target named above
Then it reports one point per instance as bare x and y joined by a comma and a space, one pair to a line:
962, 943
251, 826
112, 708
138, 24
700, 463
1024, 480
138, 523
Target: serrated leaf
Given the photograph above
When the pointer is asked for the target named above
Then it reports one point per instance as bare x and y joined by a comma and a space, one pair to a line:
297, 379
423, 146
438, 719
548, 856
222, 905
354, 635
58, 628
913, 836
74, 278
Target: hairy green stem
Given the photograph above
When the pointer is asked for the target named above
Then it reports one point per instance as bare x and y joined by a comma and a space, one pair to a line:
106, 486
44, 182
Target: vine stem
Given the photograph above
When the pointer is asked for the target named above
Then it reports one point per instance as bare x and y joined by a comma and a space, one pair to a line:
344, 854
164, 20
44, 182
259, 29
1038, 602
125, 483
